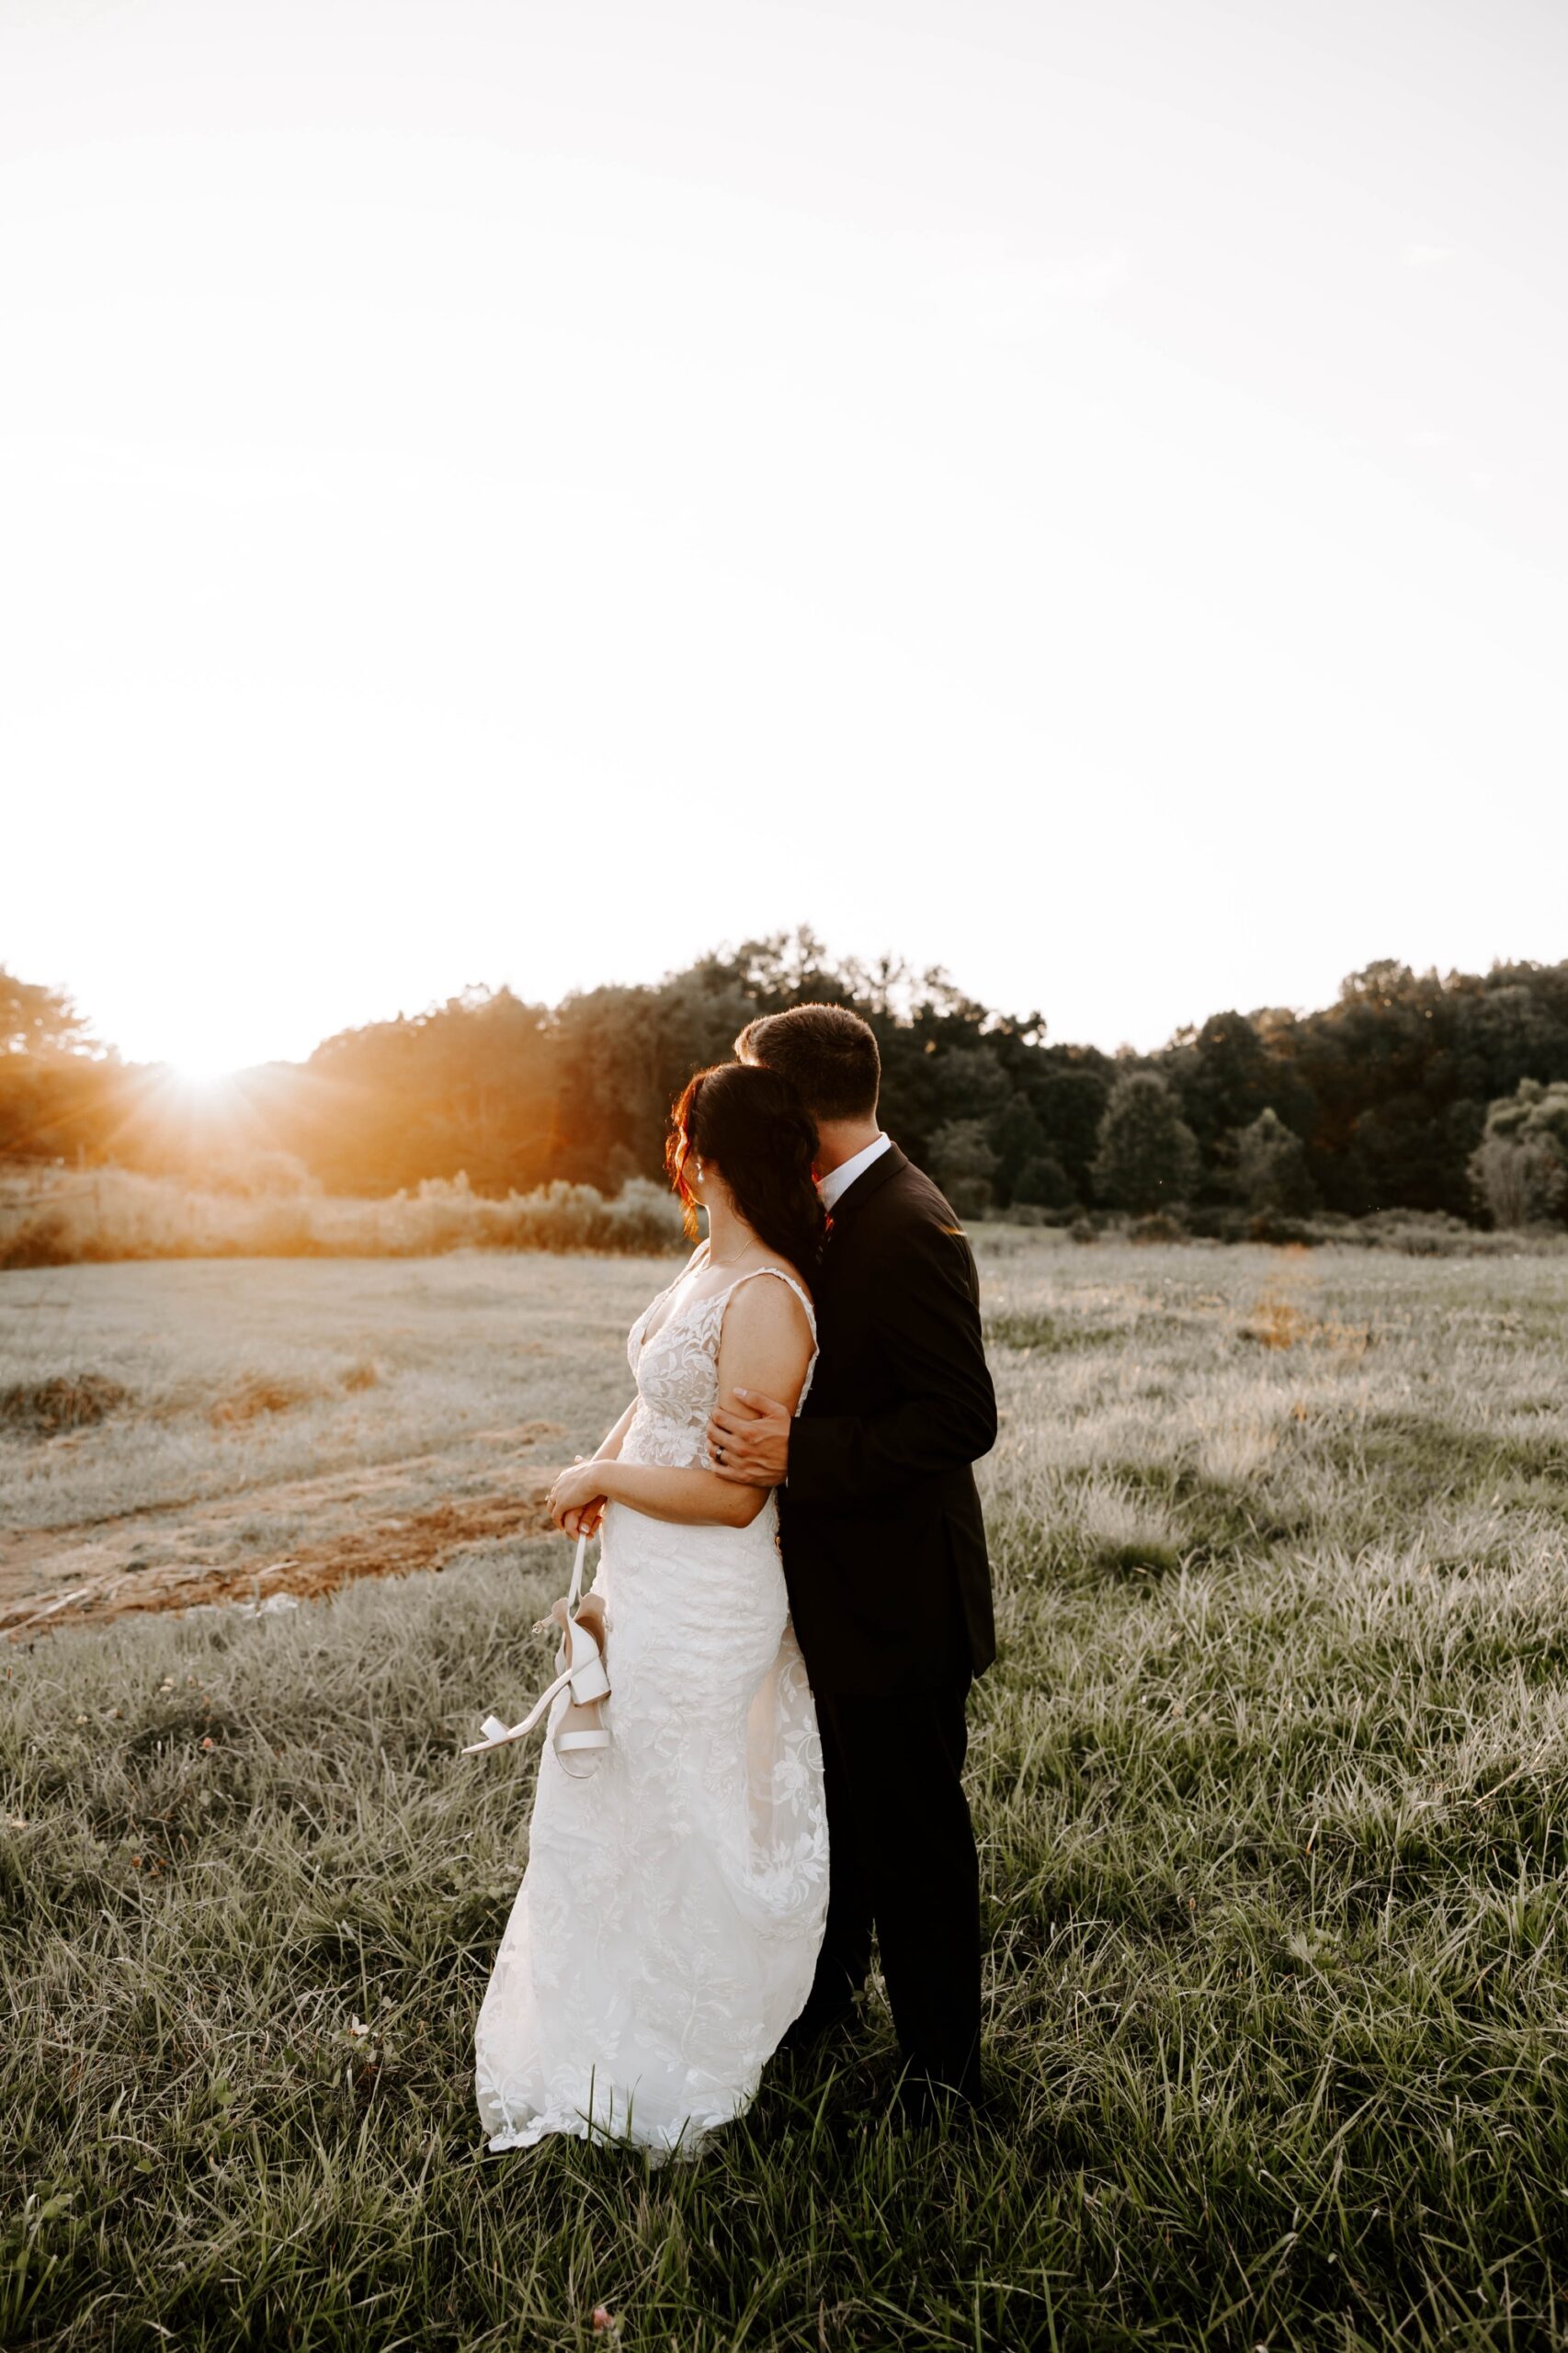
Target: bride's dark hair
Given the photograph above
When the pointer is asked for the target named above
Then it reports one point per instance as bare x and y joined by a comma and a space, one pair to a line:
754, 1127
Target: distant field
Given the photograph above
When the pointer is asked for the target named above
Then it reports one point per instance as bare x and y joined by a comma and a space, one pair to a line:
1271, 1778
174, 1430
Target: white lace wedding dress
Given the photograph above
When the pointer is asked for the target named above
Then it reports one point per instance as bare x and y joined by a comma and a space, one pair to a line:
666, 1931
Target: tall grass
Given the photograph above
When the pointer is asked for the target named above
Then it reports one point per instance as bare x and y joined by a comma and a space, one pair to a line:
1272, 1789
60, 1217
69, 1217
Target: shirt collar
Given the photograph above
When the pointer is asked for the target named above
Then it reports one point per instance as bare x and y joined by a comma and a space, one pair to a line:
837, 1181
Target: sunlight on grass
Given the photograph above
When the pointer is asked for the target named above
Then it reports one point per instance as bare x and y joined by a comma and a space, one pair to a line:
1271, 1779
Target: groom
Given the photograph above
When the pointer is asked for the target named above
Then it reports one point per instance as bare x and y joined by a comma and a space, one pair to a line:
884, 1556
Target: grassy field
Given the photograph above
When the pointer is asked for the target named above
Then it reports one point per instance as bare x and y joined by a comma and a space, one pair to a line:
1271, 1779
174, 1431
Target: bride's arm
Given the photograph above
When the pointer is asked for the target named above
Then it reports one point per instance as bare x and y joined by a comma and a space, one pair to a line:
691, 1499
584, 1518
765, 1334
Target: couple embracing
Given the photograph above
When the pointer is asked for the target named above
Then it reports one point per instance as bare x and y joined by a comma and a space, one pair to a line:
754, 1758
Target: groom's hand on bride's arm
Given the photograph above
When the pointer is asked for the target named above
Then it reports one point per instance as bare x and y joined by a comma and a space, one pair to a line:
751, 1445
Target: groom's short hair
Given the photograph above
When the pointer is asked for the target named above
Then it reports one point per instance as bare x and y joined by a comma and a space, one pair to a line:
828, 1053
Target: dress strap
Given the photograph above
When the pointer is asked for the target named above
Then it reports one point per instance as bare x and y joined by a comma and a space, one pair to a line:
780, 1275
799, 1289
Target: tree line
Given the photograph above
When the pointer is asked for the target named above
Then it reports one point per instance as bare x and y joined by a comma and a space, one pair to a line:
1411, 1091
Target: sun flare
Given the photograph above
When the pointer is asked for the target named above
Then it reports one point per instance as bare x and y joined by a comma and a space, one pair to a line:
198, 1075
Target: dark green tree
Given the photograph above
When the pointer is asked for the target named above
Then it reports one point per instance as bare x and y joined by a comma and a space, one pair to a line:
963, 1164
1018, 1138
1044, 1184
1226, 1075
1270, 1168
1148, 1156
1069, 1088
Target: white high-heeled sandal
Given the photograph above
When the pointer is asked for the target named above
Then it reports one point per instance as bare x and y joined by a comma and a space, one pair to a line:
580, 1666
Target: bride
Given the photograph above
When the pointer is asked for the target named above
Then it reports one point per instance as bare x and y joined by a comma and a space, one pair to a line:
667, 1929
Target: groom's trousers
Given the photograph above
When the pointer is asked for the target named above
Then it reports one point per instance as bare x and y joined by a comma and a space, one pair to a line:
901, 1861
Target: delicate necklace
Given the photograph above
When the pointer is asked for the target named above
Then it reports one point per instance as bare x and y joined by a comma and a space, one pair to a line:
735, 1261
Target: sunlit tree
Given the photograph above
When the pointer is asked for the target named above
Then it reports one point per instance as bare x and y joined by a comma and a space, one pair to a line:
37, 1020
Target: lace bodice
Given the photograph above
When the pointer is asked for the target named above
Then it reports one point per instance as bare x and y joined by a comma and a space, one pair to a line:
677, 1370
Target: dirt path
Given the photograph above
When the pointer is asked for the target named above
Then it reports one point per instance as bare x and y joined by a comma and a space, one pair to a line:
379, 1521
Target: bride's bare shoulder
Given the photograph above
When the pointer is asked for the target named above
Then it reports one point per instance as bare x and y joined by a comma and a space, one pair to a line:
765, 1316
791, 1273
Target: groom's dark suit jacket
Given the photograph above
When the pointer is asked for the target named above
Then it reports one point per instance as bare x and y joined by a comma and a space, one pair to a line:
883, 1542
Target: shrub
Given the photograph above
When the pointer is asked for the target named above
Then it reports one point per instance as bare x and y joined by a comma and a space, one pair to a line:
115, 1215
1421, 1233
1271, 1225
37, 1242
645, 1217
68, 1402
259, 1174
1518, 1171
1156, 1227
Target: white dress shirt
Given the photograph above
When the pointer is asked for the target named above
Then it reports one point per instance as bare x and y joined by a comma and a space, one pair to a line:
838, 1180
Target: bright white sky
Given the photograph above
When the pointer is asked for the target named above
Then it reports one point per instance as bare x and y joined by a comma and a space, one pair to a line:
531, 490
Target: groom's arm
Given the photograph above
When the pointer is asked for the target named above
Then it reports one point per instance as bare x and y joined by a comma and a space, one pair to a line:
927, 1322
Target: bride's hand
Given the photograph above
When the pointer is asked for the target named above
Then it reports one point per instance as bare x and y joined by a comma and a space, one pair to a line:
576, 1492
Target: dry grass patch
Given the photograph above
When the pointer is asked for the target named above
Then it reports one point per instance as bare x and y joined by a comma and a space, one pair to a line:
63, 1402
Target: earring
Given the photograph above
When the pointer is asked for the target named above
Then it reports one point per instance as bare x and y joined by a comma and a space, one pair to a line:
700, 1172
